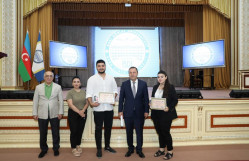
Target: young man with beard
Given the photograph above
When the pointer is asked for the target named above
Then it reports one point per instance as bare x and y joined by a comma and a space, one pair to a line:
103, 112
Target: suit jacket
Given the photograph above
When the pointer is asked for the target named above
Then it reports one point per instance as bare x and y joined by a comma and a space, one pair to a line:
41, 102
127, 102
172, 101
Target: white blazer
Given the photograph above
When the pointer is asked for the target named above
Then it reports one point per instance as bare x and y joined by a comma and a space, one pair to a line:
41, 102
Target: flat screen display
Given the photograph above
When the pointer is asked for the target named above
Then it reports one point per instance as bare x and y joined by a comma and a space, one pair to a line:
123, 47
204, 55
64, 55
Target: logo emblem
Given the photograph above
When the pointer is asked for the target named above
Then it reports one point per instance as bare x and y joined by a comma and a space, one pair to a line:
38, 57
69, 55
119, 57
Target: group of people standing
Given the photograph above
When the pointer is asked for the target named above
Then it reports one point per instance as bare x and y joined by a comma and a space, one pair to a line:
133, 107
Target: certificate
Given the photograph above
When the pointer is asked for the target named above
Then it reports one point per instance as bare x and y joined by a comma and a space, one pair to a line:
158, 103
105, 97
121, 121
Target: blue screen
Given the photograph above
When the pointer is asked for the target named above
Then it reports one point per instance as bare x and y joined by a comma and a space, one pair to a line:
204, 55
122, 48
62, 55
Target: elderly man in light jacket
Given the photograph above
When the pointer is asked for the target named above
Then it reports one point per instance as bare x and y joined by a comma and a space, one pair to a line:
48, 107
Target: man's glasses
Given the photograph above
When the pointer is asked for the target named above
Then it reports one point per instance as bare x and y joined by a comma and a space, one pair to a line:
49, 76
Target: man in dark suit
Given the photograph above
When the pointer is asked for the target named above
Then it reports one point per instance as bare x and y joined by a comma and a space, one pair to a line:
134, 106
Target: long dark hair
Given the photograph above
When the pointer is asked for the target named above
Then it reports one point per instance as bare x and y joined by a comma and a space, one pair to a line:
166, 84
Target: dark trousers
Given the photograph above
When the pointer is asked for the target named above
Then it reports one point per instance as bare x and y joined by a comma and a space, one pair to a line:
77, 125
138, 123
55, 127
101, 117
162, 126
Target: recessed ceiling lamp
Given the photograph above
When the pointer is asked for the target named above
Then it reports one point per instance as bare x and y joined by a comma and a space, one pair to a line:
128, 4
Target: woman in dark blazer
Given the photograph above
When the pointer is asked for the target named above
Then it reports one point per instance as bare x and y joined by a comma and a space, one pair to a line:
162, 119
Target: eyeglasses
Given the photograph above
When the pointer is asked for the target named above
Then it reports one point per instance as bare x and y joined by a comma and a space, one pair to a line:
49, 76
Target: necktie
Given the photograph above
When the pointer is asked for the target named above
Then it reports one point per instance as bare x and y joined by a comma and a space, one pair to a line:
134, 89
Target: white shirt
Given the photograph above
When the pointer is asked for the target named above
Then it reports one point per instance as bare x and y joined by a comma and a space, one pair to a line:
136, 85
159, 93
96, 84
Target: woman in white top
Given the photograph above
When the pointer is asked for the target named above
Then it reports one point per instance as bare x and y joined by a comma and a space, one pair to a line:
162, 119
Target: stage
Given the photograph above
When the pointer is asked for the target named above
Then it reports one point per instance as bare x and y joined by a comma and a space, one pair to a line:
206, 94
187, 153
216, 119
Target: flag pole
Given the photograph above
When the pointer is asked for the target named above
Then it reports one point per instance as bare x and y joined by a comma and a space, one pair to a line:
28, 85
30, 58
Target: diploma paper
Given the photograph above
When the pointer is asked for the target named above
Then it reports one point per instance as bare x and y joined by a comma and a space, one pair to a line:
105, 97
158, 103
121, 121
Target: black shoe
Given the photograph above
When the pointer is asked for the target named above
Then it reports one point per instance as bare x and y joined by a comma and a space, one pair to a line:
42, 154
56, 153
168, 156
99, 153
159, 153
129, 153
141, 154
109, 149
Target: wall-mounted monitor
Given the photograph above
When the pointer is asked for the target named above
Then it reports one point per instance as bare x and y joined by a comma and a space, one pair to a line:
204, 55
64, 55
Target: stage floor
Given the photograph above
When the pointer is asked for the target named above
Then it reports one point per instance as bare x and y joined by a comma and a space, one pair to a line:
207, 94
186, 153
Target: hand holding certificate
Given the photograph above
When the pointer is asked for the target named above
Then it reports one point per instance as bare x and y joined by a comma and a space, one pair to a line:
158, 103
105, 97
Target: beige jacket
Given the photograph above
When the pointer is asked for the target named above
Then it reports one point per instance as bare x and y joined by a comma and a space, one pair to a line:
41, 102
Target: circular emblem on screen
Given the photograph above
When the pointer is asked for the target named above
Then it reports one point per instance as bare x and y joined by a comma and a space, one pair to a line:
202, 55
69, 55
120, 57
38, 57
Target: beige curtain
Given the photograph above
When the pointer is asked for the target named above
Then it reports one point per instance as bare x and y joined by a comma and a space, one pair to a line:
30, 6
216, 26
41, 20
208, 26
222, 6
193, 34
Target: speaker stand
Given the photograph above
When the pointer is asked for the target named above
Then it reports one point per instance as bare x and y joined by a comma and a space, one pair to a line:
212, 79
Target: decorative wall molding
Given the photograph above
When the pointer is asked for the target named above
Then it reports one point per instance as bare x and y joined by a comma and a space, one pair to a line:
1, 18
243, 34
200, 122
244, 79
9, 41
238, 120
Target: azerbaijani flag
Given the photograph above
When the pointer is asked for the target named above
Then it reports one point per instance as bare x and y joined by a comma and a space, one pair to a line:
38, 64
24, 67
